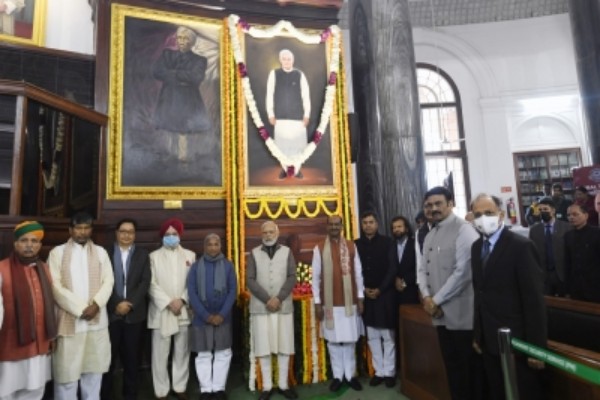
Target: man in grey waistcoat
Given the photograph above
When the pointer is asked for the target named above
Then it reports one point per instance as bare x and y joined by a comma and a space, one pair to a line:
444, 276
270, 277
288, 108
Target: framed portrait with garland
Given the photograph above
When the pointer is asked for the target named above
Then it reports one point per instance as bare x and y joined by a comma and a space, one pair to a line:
291, 114
167, 136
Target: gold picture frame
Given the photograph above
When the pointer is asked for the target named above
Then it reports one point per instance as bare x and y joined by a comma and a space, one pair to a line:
167, 106
24, 23
261, 171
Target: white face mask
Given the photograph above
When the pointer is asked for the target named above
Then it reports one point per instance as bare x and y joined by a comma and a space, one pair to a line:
487, 224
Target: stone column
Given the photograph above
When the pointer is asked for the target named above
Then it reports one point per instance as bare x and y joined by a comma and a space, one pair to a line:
390, 161
585, 18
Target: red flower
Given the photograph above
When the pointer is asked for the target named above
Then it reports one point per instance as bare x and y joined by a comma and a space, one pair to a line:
332, 78
244, 24
325, 35
242, 69
264, 134
317, 136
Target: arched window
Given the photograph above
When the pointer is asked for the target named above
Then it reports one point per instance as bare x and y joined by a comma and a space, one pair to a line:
443, 134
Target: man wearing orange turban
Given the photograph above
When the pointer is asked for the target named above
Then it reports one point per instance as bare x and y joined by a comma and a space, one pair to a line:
27, 323
167, 312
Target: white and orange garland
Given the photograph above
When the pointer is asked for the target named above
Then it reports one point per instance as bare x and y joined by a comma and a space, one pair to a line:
333, 32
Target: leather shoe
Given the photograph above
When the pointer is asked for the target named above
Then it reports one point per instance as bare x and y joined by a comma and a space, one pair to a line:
390, 381
355, 384
335, 385
220, 395
282, 174
162, 398
299, 175
288, 393
206, 396
265, 395
181, 396
376, 381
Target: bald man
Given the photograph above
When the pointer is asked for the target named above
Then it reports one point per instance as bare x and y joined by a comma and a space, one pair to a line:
270, 277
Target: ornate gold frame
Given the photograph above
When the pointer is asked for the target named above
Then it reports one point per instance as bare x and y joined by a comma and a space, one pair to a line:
38, 33
246, 203
115, 188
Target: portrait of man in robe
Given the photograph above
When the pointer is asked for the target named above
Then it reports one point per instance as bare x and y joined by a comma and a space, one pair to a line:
171, 133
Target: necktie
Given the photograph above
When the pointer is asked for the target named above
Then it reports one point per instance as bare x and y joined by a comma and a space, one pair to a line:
485, 250
549, 248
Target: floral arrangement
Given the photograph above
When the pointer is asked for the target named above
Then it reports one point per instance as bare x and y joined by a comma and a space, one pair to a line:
303, 285
289, 164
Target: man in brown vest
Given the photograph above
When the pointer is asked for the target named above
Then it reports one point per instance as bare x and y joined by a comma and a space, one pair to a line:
338, 294
28, 328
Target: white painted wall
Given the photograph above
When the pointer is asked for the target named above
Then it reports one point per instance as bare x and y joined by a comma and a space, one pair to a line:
69, 26
518, 88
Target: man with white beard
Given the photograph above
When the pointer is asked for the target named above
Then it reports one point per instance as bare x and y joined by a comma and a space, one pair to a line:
270, 277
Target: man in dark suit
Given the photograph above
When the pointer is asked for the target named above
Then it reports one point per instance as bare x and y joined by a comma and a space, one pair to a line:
380, 312
404, 258
507, 280
582, 252
127, 307
549, 239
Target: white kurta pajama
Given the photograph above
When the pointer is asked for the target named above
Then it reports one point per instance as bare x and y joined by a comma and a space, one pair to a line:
341, 340
289, 134
272, 332
169, 268
85, 355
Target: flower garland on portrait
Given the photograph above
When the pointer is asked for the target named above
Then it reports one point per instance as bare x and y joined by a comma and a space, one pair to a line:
291, 164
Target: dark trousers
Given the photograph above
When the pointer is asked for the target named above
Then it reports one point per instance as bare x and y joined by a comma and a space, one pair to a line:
125, 346
463, 365
528, 380
553, 286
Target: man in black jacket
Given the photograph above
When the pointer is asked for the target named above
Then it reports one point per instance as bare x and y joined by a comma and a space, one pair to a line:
127, 307
380, 311
404, 258
582, 252
508, 286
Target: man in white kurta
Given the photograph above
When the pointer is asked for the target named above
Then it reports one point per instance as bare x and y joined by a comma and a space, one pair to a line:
167, 312
288, 109
338, 294
270, 278
82, 281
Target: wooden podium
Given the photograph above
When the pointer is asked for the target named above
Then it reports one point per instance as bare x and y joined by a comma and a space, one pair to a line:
423, 376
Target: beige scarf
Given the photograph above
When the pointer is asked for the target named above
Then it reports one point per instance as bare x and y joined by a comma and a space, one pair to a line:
328, 280
66, 321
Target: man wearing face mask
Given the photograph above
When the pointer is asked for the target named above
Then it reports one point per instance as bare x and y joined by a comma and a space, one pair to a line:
167, 312
270, 277
507, 279
548, 237
444, 278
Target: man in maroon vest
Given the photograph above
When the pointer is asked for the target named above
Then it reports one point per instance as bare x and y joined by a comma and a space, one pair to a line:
28, 327
338, 294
